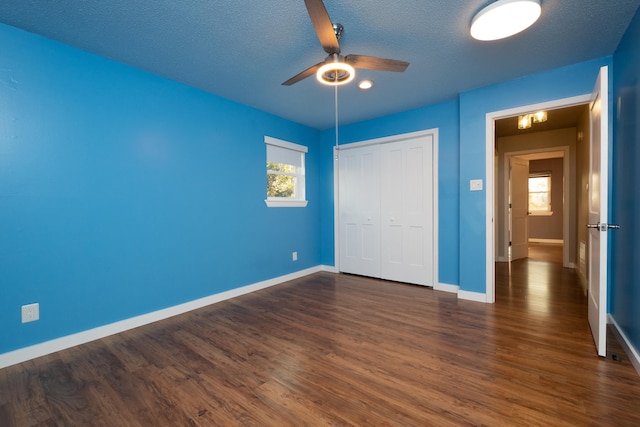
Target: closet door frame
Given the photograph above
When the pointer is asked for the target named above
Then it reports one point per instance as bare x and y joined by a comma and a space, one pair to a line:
394, 138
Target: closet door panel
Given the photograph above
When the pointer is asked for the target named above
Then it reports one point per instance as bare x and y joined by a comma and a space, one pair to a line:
406, 211
359, 198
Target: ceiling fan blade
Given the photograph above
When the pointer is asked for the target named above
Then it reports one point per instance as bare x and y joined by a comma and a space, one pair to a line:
323, 26
303, 75
373, 63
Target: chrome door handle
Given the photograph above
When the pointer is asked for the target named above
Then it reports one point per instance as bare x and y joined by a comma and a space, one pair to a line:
603, 226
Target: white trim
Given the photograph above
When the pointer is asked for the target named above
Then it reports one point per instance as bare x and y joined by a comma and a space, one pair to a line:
445, 287
328, 268
491, 117
392, 138
434, 132
628, 348
62, 343
283, 203
285, 144
473, 296
490, 226
436, 204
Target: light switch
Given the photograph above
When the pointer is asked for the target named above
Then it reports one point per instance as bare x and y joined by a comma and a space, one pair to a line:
475, 185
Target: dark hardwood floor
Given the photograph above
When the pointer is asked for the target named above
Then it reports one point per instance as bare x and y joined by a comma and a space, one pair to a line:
344, 350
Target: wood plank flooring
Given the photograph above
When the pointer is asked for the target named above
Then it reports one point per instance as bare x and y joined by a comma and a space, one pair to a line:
343, 350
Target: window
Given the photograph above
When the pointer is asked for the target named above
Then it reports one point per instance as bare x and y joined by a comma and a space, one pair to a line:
285, 173
540, 194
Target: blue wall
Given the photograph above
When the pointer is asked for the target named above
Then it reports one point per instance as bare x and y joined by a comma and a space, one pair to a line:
445, 118
123, 193
625, 244
565, 82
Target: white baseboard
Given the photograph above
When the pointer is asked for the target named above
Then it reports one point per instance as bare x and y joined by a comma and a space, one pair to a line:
546, 241
328, 268
445, 287
472, 296
62, 343
631, 352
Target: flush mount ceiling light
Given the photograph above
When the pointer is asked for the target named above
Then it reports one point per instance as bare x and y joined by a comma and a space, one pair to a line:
335, 72
539, 117
524, 122
504, 18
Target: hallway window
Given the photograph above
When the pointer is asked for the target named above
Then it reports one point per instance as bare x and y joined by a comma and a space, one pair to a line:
540, 194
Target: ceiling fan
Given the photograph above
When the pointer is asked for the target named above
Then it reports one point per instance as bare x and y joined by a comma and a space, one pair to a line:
337, 69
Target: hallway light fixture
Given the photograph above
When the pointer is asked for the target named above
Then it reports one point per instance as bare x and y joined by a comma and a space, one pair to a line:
504, 18
539, 116
525, 121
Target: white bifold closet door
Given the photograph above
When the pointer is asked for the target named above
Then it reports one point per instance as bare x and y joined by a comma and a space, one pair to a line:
359, 190
386, 210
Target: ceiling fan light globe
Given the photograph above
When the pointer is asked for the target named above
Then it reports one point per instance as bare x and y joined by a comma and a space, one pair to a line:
335, 73
504, 18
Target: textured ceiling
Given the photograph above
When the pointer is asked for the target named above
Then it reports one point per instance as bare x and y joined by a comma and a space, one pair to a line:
243, 50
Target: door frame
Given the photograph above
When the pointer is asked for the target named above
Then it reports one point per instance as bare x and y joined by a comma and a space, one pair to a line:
566, 173
383, 140
490, 153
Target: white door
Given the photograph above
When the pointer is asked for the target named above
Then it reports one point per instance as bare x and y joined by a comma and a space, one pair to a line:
359, 200
519, 195
407, 211
598, 215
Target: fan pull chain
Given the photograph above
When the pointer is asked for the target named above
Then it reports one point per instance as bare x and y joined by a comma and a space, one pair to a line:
336, 110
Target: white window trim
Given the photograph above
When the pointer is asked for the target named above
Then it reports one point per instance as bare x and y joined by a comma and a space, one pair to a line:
281, 202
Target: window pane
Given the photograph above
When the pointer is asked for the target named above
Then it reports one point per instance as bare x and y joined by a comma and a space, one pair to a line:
539, 183
281, 167
538, 201
280, 185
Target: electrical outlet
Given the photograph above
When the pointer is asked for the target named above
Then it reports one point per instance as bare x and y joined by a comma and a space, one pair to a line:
30, 312
294, 256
